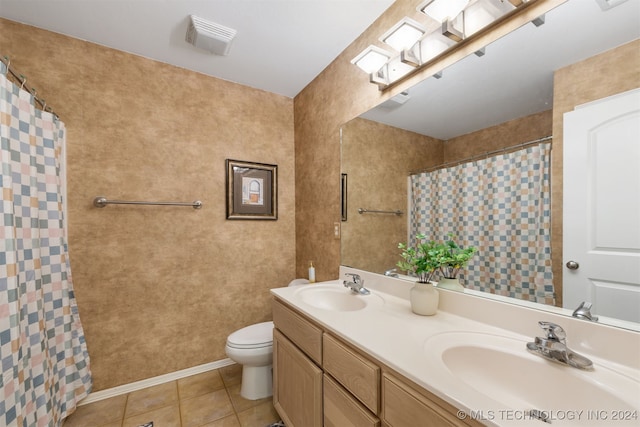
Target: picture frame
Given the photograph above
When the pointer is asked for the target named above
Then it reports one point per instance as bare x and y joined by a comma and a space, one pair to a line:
251, 190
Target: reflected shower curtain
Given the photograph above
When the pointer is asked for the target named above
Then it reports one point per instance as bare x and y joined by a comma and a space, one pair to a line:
45, 364
502, 206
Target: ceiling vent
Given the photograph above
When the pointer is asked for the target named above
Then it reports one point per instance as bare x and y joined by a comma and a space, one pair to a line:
210, 36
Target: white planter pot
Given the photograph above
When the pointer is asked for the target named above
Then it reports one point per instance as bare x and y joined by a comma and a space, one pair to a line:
424, 299
451, 284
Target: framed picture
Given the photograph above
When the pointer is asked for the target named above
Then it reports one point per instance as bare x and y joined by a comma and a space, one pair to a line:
252, 190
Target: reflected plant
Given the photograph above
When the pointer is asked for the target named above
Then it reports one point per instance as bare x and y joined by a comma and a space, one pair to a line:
452, 257
422, 260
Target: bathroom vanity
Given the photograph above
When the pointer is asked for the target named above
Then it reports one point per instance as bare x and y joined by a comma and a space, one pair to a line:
350, 360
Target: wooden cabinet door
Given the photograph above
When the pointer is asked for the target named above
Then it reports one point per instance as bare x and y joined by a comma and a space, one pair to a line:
297, 385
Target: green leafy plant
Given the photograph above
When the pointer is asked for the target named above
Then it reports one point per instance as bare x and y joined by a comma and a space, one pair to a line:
452, 257
422, 261
428, 257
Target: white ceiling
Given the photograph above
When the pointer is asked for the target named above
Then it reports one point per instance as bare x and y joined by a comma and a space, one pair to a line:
280, 47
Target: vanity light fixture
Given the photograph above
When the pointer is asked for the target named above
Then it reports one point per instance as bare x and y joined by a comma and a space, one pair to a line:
459, 20
454, 28
427, 48
450, 13
403, 35
482, 13
371, 59
392, 71
442, 10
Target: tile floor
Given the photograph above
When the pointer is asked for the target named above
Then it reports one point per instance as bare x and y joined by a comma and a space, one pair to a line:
211, 399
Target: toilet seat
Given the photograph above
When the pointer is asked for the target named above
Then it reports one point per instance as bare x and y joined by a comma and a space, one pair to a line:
259, 335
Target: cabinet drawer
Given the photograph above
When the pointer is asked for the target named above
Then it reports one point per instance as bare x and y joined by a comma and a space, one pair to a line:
357, 374
341, 409
402, 406
297, 385
299, 330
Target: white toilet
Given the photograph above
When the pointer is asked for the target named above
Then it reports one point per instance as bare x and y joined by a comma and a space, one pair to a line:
252, 347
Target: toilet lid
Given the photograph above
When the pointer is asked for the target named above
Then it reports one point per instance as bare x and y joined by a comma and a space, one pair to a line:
258, 335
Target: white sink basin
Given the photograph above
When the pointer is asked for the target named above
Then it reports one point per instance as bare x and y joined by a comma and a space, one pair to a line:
335, 298
515, 380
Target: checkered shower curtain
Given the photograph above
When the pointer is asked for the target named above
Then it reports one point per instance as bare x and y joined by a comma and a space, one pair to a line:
45, 364
502, 206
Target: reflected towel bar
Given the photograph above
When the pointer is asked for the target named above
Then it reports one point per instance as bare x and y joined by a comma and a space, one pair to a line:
101, 202
362, 210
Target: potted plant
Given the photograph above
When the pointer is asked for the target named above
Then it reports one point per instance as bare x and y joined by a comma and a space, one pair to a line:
452, 257
423, 262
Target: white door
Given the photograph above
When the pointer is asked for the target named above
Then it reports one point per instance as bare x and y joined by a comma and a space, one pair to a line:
601, 220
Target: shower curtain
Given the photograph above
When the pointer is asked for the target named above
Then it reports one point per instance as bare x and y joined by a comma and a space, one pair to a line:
502, 206
45, 364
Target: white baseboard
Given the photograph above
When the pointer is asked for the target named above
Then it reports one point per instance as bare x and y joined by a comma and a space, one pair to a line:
139, 385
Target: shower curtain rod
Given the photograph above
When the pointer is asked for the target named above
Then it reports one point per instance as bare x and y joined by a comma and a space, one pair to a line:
22, 80
483, 155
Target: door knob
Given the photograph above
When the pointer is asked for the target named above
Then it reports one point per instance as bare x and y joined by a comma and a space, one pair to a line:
572, 265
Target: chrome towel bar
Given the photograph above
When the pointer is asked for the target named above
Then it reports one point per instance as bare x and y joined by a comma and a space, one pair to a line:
363, 210
101, 202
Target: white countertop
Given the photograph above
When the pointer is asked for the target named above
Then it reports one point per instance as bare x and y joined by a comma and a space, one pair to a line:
390, 332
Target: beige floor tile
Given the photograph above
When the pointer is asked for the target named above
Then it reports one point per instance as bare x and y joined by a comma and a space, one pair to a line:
240, 403
197, 385
231, 374
259, 416
230, 421
197, 401
169, 416
151, 398
98, 414
205, 409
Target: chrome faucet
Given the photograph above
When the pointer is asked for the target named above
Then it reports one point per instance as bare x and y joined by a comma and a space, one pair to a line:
584, 312
391, 272
356, 284
554, 347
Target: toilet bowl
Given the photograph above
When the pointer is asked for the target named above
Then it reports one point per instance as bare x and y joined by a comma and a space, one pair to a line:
252, 347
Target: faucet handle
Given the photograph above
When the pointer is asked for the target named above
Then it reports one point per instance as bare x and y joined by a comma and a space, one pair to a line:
355, 277
553, 331
584, 312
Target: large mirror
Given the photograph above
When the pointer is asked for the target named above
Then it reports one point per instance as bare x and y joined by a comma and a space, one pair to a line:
494, 99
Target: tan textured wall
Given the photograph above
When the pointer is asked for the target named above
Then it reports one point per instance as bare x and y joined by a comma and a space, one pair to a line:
603, 75
340, 93
377, 160
160, 288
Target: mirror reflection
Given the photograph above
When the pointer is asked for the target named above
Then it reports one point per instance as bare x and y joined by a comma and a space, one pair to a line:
481, 106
